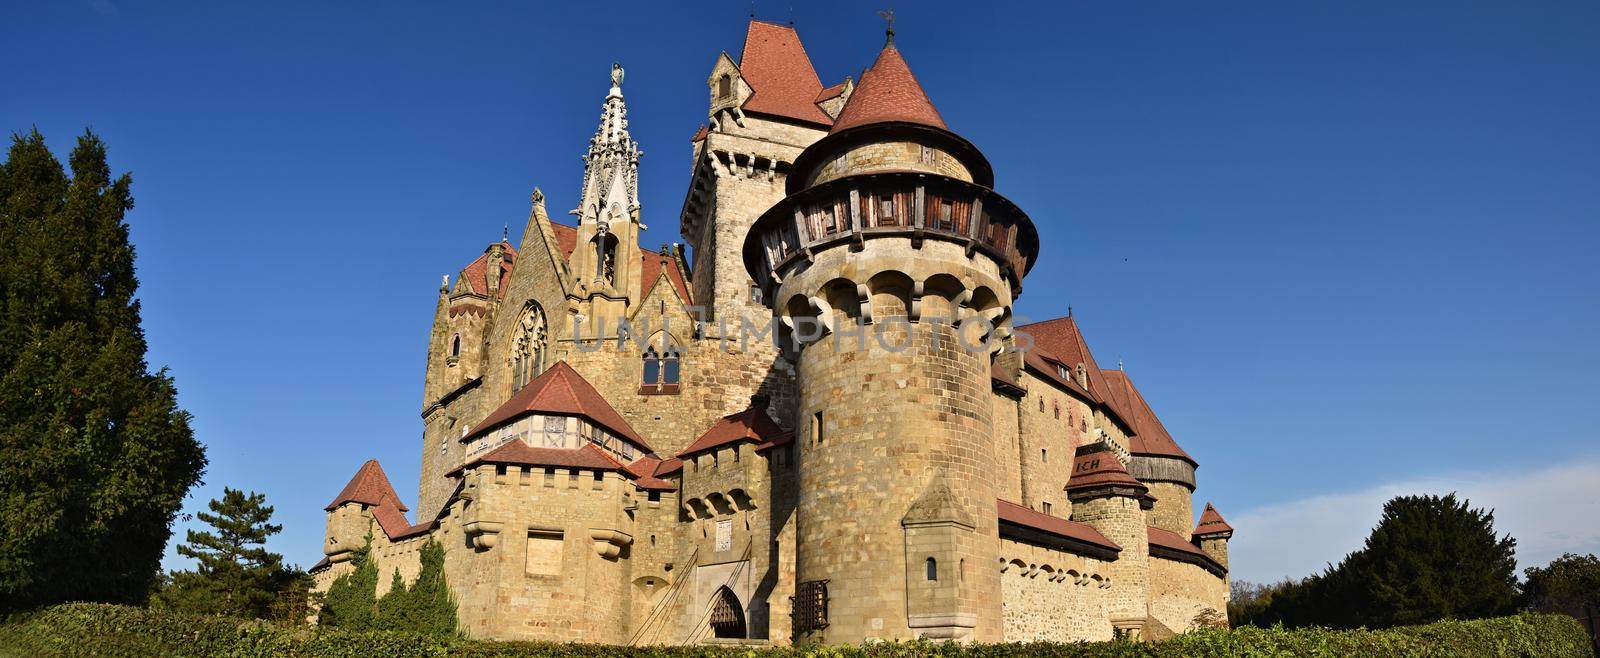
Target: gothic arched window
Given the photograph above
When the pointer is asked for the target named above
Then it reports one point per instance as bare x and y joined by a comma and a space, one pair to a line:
455, 345
652, 367
662, 362
528, 346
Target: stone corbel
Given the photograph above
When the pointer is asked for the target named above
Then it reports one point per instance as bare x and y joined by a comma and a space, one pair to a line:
914, 313
609, 543
483, 534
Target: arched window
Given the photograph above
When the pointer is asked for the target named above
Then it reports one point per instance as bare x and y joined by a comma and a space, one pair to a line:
931, 566
528, 346
662, 362
725, 86
652, 367
455, 345
605, 266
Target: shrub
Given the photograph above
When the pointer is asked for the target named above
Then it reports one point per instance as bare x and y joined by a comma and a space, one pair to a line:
110, 630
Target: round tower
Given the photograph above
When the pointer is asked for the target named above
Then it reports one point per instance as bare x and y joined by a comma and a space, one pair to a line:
891, 266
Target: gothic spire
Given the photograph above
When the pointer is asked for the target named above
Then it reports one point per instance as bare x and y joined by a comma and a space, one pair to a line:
611, 166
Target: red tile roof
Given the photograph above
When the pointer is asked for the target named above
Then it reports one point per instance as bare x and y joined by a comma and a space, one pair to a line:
1150, 437
700, 134
1094, 469
519, 453
560, 391
477, 272
1179, 548
651, 264
566, 238
1211, 523
370, 486
1013, 513
888, 92
644, 471
1065, 342
780, 75
831, 92
669, 466
752, 425
1043, 362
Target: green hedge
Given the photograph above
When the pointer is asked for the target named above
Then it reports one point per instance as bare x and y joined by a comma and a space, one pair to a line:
82, 629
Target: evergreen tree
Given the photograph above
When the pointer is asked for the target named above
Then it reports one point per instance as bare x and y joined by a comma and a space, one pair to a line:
1429, 558
351, 601
429, 597
426, 606
1569, 584
95, 455
236, 575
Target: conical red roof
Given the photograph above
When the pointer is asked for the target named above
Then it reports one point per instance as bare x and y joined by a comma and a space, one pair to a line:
888, 92
1211, 523
561, 391
370, 486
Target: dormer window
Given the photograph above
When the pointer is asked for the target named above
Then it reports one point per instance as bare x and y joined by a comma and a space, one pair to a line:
725, 86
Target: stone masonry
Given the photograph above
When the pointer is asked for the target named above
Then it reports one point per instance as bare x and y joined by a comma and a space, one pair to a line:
816, 423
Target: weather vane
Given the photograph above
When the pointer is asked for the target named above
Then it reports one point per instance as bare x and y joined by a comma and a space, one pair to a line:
888, 15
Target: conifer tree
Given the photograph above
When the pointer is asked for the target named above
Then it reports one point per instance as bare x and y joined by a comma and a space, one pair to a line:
236, 575
95, 455
351, 601
429, 597
1429, 558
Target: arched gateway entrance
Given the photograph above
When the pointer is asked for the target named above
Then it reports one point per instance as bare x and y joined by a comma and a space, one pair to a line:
727, 615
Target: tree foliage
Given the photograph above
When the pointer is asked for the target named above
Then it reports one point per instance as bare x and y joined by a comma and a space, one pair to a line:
1569, 584
351, 601
236, 575
425, 606
1429, 558
95, 455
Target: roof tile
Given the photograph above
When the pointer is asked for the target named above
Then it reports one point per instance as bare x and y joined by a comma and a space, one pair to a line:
1013, 513
888, 92
783, 82
561, 391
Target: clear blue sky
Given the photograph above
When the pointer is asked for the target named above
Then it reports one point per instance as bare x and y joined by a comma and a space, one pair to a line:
1339, 245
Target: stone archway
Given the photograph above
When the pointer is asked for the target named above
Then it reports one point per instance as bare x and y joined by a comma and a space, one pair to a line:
727, 615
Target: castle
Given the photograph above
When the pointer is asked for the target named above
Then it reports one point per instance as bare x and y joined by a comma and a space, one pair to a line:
824, 427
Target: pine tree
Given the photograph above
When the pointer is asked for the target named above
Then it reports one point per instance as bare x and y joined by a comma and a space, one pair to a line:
95, 455
236, 575
351, 601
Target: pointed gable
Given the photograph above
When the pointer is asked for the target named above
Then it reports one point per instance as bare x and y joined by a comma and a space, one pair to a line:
655, 265
370, 486
780, 75
1211, 523
560, 391
1150, 437
888, 92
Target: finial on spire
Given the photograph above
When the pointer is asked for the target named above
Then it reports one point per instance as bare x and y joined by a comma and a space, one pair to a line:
752, 10
888, 15
1120, 366
1069, 310
505, 232
616, 79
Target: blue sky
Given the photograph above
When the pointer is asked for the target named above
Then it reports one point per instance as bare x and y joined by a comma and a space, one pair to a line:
1345, 249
